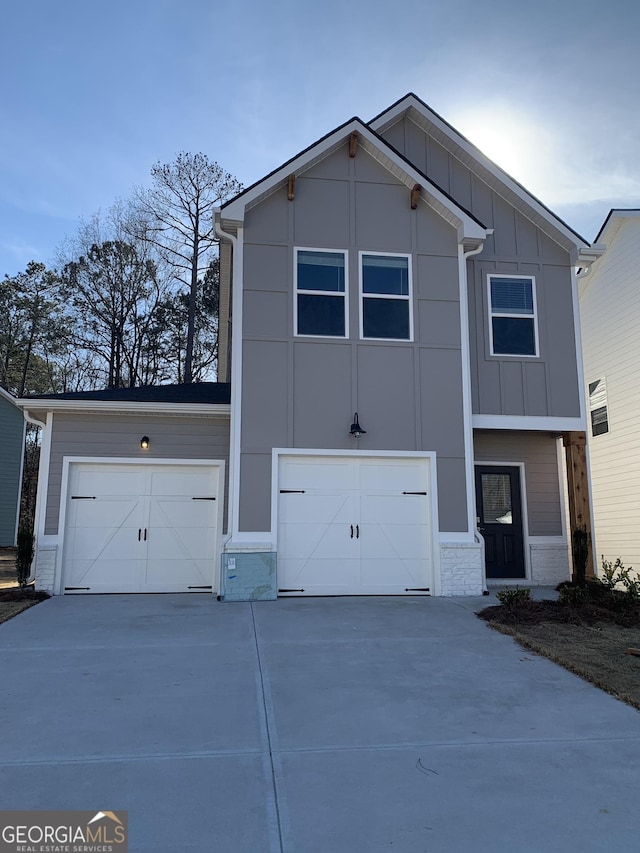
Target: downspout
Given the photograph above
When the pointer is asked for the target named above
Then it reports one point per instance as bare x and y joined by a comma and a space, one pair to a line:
235, 376
39, 488
466, 402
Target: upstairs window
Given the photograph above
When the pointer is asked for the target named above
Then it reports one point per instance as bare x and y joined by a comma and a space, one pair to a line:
320, 308
598, 407
513, 327
385, 283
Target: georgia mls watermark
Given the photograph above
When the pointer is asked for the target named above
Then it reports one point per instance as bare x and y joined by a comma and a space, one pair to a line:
63, 832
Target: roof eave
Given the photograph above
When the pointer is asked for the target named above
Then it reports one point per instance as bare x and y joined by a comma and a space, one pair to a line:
33, 404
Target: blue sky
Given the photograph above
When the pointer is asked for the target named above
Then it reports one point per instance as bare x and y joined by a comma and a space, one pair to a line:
93, 93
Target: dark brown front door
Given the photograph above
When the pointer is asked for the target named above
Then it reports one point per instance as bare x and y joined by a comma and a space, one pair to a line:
499, 508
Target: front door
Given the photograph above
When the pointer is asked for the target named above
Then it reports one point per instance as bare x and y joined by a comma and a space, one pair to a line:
499, 509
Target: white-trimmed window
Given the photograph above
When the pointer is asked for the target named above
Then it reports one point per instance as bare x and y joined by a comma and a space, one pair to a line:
386, 311
321, 293
598, 407
513, 323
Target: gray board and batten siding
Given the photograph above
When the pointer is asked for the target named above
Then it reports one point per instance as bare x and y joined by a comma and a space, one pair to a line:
112, 435
538, 452
546, 385
301, 392
12, 428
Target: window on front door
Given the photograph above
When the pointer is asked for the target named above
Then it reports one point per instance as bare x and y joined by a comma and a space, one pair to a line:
320, 293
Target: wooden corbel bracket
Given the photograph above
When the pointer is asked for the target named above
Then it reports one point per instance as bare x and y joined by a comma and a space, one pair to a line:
415, 196
291, 187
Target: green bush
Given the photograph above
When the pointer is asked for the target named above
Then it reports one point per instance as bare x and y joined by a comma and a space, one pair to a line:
617, 573
24, 556
514, 597
573, 596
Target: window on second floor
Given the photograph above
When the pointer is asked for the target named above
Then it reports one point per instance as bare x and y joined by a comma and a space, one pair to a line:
513, 327
320, 293
598, 407
385, 293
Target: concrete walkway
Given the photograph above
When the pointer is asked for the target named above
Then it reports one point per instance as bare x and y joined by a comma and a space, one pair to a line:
343, 725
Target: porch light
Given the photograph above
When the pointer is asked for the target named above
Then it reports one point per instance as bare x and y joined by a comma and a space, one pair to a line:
356, 430
144, 442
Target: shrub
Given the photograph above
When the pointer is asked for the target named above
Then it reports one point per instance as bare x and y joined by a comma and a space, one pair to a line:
514, 597
617, 573
24, 556
573, 596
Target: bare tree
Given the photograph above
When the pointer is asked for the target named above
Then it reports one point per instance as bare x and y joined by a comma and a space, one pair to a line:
177, 214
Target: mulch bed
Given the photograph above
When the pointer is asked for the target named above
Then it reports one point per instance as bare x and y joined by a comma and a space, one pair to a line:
14, 600
589, 635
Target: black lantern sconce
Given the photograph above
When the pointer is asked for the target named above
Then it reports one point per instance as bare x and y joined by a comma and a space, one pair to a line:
144, 442
356, 430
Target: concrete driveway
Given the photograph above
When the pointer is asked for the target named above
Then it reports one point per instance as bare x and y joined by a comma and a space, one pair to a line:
310, 726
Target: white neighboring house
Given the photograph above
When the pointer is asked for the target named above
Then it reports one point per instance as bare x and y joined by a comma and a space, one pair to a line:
610, 312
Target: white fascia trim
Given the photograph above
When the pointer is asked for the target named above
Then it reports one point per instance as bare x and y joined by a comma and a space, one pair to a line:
526, 422
67, 461
211, 409
467, 226
391, 116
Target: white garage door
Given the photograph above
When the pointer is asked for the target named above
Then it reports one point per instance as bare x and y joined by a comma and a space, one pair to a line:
354, 526
141, 528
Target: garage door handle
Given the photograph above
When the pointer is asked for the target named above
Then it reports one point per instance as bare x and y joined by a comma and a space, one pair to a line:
351, 526
139, 533
145, 534
357, 531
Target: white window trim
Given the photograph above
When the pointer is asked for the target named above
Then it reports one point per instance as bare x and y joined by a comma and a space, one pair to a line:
345, 295
533, 316
362, 295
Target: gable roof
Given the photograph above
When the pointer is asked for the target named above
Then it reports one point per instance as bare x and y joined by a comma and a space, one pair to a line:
468, 226
460, 147
614, 220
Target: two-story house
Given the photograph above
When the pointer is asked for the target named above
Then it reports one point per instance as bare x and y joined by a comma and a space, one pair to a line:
399, 331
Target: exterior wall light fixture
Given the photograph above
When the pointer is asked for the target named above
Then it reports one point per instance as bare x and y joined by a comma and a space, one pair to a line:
144, 442
356, 430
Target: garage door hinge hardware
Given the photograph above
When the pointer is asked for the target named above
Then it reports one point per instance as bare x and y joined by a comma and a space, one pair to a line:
200, 587
203, 499
414, 493
71, 588
417, 589
290, 590
83, 497
292, 491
